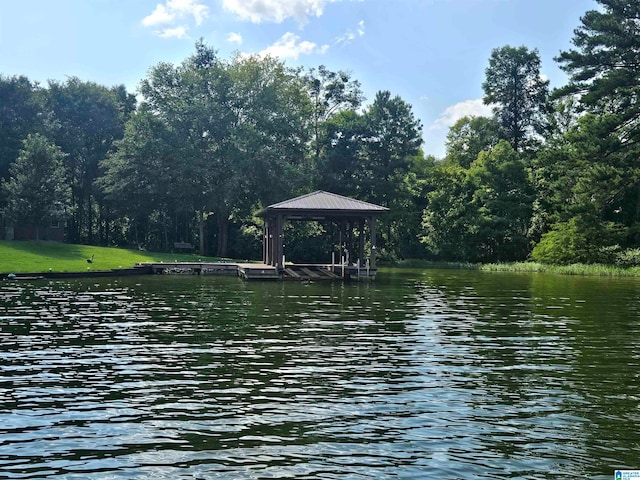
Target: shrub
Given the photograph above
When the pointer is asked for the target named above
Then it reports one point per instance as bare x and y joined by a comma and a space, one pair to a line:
628, 258
578, 241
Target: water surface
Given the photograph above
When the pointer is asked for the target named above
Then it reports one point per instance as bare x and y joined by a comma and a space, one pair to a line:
422, 374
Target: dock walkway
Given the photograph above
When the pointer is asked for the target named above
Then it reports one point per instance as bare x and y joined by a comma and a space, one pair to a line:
258, 271
245, 270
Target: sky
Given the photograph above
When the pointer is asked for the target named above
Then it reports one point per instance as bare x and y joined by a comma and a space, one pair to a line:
431, 53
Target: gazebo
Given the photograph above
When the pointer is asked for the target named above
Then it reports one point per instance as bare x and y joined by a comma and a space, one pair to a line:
323, 206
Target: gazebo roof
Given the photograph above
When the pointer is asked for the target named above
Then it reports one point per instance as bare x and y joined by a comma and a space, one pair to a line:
322, 203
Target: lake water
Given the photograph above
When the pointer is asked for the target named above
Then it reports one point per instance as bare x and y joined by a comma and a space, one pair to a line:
428, 374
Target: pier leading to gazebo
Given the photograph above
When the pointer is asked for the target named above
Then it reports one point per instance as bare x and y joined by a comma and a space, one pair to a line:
349, 214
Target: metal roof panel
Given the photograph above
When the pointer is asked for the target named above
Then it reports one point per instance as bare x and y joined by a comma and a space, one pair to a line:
325, 201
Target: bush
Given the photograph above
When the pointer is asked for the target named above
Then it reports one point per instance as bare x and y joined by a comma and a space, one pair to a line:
628, 258
578, 241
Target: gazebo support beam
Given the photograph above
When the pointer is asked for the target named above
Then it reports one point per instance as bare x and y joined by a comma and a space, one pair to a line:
372, 230
361, 241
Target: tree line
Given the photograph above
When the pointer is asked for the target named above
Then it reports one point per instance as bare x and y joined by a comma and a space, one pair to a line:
551, 176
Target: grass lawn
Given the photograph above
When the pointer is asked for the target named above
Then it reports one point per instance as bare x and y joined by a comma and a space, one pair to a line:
36, 257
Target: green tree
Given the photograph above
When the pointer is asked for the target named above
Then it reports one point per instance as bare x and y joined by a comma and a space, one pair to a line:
562, 116
605, 78
143, 184
480, 214
468, 137
393, 137
341, 163
588, 184
503, 197
266, 148
449, 220
330, 93
393, 140
408, 227
87, 119
192, 99
240, 133
581, 239
20, 114
518, 94
368, 156
36, 190
554, 171
555, 166
603, 68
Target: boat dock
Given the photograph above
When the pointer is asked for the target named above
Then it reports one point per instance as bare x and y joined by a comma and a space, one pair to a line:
259, 271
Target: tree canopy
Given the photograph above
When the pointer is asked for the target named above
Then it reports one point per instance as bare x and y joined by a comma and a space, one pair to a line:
36, 190
517, 93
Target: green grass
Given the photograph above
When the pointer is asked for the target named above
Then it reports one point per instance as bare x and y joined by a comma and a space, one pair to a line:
575, 269
36, 257
532, 267
421, 263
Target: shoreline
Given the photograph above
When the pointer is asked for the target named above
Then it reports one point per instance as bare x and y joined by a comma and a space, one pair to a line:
115, 272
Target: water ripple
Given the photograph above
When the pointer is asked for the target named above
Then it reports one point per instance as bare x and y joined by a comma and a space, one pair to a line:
430, 375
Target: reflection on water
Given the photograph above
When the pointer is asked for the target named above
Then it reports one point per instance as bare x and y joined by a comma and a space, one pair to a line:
423, 374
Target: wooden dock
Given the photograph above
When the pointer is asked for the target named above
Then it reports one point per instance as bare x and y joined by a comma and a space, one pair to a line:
248, 271
259, 271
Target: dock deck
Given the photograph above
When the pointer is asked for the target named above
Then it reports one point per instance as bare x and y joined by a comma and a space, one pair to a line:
245, 270
260, 271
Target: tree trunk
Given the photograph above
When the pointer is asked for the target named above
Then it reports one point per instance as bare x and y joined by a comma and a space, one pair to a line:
90, 220
73, 223
223, 236
135, 233
201, 225
78, 216
102, 227
165, 232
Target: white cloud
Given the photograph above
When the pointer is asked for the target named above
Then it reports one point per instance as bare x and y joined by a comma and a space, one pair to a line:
463, 109
234, 37
290, 46
175, 32
171, 15
159, 16
346, 38
350, 35
258, 11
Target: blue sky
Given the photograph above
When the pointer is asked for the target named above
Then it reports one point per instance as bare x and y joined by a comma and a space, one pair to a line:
432, 53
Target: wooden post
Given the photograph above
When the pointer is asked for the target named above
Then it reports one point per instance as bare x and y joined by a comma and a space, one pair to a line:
361, 240
274, 241
340, 242
372, 229
270, 241
273, 233
350, 240
265, 242
279, 242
